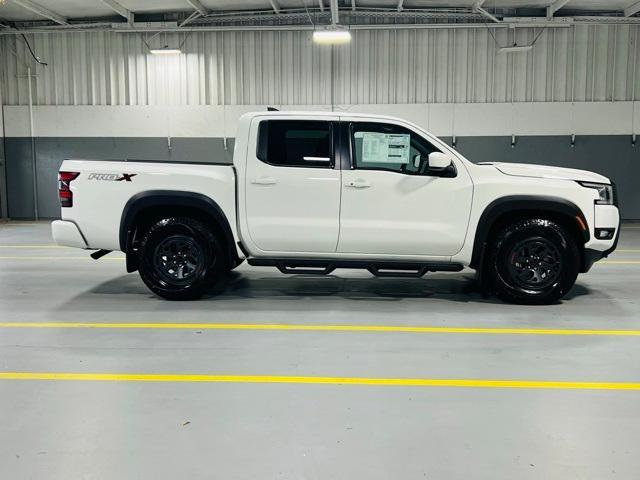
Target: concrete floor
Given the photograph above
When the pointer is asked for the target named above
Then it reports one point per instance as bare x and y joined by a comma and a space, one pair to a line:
96, 429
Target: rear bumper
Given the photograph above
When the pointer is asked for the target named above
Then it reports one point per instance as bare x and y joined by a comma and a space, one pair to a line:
68, 234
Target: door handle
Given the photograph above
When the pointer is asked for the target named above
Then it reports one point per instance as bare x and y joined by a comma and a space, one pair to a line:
264, 181
359, 183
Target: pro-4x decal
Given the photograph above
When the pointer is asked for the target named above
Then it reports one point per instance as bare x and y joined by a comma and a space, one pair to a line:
112, 177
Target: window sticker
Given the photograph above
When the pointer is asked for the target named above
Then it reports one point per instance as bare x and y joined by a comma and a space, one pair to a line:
385, 147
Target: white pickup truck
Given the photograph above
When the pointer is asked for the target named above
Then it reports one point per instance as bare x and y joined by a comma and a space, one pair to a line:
310, 192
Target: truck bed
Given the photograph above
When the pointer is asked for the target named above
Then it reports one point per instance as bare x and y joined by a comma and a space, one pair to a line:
103, 188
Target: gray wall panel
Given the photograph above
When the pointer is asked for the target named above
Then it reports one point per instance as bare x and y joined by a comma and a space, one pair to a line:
52, 151
612, 156
3, 181
19, 177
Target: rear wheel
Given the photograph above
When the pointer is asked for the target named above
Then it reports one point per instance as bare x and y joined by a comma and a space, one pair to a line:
180, 258
533, 261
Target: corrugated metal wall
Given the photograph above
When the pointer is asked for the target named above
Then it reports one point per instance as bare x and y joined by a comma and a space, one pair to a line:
582, 63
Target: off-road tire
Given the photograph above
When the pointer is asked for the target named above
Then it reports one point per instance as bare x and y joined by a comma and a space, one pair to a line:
533, 261
180, 258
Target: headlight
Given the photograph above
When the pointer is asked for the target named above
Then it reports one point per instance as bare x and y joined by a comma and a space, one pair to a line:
605, 192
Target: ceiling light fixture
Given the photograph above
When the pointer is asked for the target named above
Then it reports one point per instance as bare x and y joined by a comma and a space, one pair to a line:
516, 49
165, 51
332, 36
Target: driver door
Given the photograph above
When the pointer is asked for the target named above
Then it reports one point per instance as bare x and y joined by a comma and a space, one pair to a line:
392, 204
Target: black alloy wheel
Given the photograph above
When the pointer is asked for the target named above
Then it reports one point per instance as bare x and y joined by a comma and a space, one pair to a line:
532, 261
535, 263
180, 258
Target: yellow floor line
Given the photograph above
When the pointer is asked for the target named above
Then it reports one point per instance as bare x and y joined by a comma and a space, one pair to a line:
57, 258
23, 224
323, 328
404, 382
619, 262
32, 246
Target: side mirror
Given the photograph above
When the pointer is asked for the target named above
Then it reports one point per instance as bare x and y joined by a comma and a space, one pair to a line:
439, 162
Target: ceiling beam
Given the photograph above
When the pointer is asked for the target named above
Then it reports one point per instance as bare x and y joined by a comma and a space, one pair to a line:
555, 6
120, 10
40, 10
334, 12
190, 18
632, 9
399, 6
198, 6
477, 8
275, 6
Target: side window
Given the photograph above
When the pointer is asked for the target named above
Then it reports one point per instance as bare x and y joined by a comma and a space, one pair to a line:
295, 143
379, 146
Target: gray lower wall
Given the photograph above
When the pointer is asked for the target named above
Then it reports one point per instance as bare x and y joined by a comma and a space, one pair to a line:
612, 156
3, 181
50, 152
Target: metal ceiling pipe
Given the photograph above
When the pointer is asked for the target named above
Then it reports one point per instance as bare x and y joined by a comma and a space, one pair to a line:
536, 22
334, 12
288, 28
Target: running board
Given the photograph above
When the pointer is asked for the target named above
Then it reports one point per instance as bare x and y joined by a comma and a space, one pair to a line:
313, 266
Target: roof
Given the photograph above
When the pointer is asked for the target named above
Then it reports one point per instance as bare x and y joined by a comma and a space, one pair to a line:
247, 13
321, 113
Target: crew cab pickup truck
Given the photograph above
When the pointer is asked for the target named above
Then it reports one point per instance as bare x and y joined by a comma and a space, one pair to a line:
311, 192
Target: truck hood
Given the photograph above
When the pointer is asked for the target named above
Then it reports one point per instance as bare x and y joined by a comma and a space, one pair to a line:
544, 171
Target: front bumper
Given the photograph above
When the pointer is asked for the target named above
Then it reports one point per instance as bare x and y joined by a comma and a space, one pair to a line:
68, 234
606, 217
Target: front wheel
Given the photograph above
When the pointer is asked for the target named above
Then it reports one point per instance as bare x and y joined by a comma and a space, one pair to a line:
533, 261
180, 258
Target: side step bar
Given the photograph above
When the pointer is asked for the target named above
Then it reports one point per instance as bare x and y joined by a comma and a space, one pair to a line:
313, 266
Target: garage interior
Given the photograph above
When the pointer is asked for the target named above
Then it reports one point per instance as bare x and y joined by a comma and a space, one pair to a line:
344, 376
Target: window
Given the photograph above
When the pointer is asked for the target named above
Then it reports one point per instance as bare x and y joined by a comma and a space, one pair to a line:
295, 143
379, 146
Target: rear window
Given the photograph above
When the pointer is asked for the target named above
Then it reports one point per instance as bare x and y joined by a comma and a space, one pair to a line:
295, 143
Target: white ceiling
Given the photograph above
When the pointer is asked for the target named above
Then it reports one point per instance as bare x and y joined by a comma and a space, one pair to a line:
73, 9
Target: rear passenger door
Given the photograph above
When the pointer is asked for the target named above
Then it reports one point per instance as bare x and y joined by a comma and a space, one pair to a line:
293, 187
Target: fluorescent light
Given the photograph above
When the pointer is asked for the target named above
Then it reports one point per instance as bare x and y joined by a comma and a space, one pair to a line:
165, 51
331, 36
516, 49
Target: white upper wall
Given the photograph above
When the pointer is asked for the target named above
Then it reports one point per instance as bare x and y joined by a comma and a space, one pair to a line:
576, 64
497, 119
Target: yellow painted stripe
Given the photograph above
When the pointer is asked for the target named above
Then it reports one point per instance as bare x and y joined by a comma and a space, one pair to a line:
57, 258
322, 328
32, 246
627, 250
404, 382
25, 224
620, 262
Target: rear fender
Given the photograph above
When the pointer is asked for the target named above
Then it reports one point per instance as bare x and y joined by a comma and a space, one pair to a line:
143, 201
